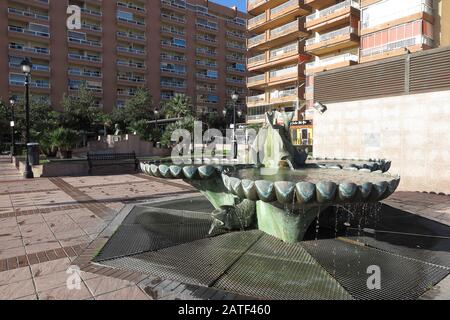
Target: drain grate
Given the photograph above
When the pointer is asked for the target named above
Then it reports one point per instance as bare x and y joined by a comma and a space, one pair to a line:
150, 229
401, 277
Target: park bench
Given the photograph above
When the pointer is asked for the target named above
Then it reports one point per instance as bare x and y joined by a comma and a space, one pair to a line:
96, 159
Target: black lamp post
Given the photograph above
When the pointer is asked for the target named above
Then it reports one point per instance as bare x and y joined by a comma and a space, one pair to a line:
235, 98
156, 118
12, 102
26, 67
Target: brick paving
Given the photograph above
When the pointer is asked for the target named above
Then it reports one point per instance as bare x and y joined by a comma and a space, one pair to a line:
49, 225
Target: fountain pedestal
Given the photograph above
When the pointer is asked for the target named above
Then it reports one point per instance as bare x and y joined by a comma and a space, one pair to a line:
287, 224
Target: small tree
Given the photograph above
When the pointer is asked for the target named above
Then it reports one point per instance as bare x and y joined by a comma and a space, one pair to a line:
179, 106
186, 123
80, 111
64, 140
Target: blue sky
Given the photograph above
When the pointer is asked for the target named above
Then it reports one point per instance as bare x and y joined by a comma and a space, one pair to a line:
241, 4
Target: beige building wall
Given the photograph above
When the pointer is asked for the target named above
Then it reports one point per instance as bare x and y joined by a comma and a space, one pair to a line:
442, 23
413, 131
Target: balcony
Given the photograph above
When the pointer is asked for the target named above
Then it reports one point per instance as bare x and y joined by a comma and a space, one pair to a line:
89, 43
256, 40
28, 14
282, 55
279, 76
84, 73
283, 96
133, 79
92, 12
173, 18
333, 41
131, 64
33, 84
131, 50
374, 19
177, 4
138, 23
173, 85
330, 63
203, 51
85, 58
29, 32
131, 36
32, 50
257, 100
333, 16
319, 4
278, 15
396, 48
255, 7
174, 71
256, 80
91, 27
131, 6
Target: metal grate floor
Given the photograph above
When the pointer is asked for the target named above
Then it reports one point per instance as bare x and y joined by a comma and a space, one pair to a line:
174, 244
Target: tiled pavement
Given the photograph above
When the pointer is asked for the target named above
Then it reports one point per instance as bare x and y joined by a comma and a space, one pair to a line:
48, 225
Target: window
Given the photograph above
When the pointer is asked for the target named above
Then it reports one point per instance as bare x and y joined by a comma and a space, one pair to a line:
212, 74
125, 15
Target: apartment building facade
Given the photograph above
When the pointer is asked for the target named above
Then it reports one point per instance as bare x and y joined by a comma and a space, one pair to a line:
193, 47
340, 33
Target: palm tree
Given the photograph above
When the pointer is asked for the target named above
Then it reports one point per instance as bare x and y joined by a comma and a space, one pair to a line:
177, 107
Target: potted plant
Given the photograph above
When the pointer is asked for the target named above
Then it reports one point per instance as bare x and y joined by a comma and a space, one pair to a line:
65, 140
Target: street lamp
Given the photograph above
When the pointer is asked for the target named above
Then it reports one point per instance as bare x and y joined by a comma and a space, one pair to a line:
12, 102
156, 119
234, 98
26, 67
320, 107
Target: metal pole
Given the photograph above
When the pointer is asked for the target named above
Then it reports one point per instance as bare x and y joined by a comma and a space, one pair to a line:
13, 140
234, 131
28, 174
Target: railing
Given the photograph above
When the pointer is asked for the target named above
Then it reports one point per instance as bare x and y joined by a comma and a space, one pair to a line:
130, 6
256, 40
131, 35
172, 44
85, 42
287, 28
282, 7
283, 72
206, 63
256, 20
174, 71
232, 45
92, 74
131, 50
206, 39
205, 76
397, 45
256, 99
172, 84
131, 64
172, 30
258, 78
172, 57
256, 59
235, 34
136, 22
34, 84
28, 14
92, 12
29, 49
254, 3
206, 51
91, 27
207, 26
36, 67
371, 20
332, 60
233, 80
293, 47
235, 57
233, 69
280, 94
173, 18
28, 31
131, 79
332, 9
84, 58
331, 35
175, 3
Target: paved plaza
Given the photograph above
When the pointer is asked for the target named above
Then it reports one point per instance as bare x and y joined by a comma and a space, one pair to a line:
48, 225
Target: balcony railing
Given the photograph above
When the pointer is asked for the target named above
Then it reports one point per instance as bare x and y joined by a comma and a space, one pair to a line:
28, 14
397, 45
175, 3
136, 22
29, 49
256, 40
85, 42
92, 12
173, 84
256, 59
92, 27
173, 18
131, 35
36, 67
28, 31
172, 44
256, 99
131, 79
131, 50
331, 35
78, 72
284, 72
131, 64
258, 78
174, 71
256, 20
84, 58
34, 84
332, 9
172, 57
130, 6
332, 60
254, 3
206, 51
275, 11
280, 94
287, 28
278, 52
372, 20
206, 63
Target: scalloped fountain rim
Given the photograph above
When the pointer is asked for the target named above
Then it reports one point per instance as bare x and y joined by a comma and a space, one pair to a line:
287, 192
